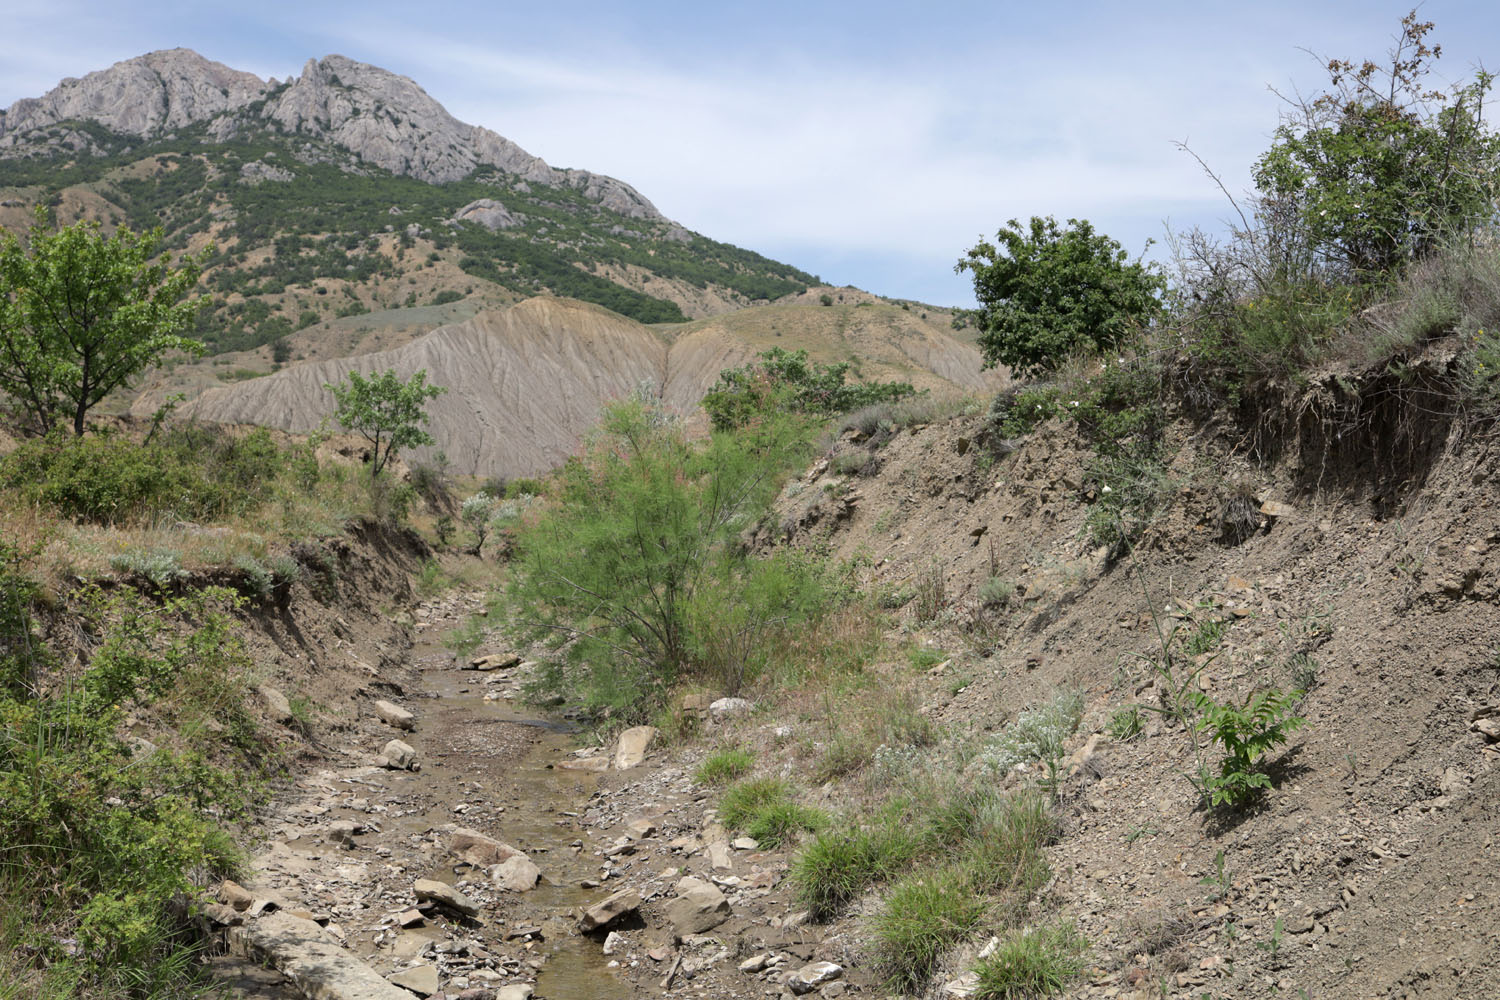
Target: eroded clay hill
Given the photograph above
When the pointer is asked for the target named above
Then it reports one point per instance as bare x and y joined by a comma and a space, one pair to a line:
526, 382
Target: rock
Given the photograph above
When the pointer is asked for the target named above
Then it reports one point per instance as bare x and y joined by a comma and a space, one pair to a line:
1488, 727
411, 918
515, 991
235, 895
1274, 508
728, 708
699, 907
631, 750
222, 914
395, 716
311, 958
488, 213
640, 829
720, 857
342, 831
479, 850
603, 914
613, 943
755, 963
421, 980
276, 705
813, 975
586, 764
495, 661
445, 897
965, 985
399, 756
517, 874
745, 844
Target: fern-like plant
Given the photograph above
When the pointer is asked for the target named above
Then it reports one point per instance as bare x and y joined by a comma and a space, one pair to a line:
1245, 733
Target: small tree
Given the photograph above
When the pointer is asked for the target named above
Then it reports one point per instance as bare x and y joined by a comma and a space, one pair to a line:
81, 315
388, 412
1045, 293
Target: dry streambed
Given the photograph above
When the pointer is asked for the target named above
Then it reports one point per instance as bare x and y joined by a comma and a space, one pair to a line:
464, 850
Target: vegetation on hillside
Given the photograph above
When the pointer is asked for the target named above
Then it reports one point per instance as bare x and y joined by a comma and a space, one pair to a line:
283, 243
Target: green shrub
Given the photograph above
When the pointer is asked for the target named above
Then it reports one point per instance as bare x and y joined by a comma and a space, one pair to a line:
108, 838
1245, 733
782, 381
1032, 963
723, 766
1037, 737
1047, 293
996, 592
636, 557
1125, 724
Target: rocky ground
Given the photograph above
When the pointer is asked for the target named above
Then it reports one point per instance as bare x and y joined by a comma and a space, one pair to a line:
458, 848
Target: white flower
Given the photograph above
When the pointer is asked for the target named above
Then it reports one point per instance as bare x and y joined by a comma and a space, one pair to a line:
1074, 403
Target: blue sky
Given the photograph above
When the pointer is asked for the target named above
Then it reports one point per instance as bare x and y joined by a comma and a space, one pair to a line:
870, 143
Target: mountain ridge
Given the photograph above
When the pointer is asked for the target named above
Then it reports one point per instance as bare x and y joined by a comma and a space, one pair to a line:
384, 119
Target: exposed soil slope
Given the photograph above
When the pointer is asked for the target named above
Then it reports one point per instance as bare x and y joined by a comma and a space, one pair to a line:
525, 383
1371, 573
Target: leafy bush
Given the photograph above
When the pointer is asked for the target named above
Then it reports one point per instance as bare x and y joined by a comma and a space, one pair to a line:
191, 472
1378, 170
110, 838
636, 555
779, 381
1047, 293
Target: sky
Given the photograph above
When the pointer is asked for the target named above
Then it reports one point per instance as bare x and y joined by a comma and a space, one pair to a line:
868, 143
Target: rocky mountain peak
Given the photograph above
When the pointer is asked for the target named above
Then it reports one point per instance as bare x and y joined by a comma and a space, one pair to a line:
383, 118
144, 96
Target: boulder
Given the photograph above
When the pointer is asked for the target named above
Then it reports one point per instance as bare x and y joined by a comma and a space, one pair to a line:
394, 715
277, 707
479, 850
728, 708
399, 756
813, 975
421, 980
495, 661
445, 897
516, 874
603, 914
631, 750
699, 907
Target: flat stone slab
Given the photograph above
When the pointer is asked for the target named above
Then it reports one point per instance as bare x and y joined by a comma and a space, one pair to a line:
311, 958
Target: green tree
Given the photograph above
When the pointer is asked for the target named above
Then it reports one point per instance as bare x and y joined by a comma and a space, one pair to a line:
1378, 170
82, 314
388, 412
1045, 292
780, 380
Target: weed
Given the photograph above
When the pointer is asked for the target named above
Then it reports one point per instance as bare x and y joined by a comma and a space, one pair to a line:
1206, 638
926, 913
931, 594
1272, 945
161, 568
1032, 963
1125, 724
1303, 670
995, 592
925, 657
1217, 880
1037, 736
1138, 831
763, 808
1245, 733
724, 766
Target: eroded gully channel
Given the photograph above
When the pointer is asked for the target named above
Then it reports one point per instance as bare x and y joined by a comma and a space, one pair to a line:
485, 764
